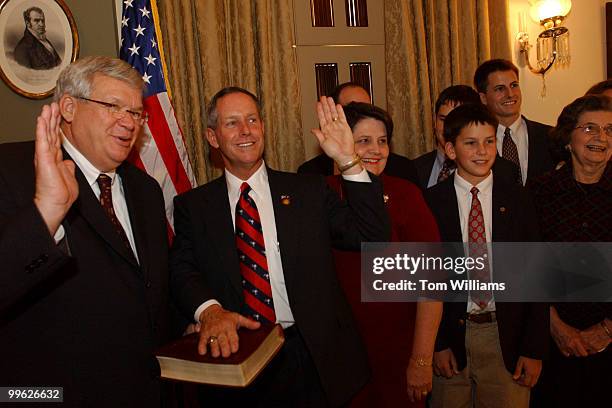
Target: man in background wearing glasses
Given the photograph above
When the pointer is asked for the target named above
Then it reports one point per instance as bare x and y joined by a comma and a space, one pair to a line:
83, 245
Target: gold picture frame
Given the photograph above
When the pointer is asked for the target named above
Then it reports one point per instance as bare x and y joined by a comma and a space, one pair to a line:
38, 38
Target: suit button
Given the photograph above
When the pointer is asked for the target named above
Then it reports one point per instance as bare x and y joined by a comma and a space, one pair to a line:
461, 322
148, 284
585, 225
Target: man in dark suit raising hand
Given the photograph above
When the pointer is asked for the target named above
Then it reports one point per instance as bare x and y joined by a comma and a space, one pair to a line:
83, 246
254, 246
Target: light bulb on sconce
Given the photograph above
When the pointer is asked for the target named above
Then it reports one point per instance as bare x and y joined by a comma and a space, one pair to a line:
552, 43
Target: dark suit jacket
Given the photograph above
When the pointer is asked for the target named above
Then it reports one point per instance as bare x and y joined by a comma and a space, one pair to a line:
204, 262
88, 322
397, 166
30, 53
523, 327
541, 152
424, 164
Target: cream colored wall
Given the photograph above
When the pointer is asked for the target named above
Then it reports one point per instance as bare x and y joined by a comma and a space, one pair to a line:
586, 23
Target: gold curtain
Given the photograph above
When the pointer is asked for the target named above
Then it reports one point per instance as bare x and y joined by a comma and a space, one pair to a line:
210, 44
432, 44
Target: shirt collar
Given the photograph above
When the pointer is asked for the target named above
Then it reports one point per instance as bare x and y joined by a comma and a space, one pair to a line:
514, 127
258, 181
90, 171
464, 187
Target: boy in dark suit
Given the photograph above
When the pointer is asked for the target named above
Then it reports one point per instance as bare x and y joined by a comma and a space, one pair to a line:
487, 353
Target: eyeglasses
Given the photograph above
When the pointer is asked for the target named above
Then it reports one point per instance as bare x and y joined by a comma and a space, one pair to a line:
593, 129
119, 112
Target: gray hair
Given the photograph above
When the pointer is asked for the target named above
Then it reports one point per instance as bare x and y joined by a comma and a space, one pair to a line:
77, 78
26, 13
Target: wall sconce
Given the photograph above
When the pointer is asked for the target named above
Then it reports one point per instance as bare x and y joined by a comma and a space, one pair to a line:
553, 42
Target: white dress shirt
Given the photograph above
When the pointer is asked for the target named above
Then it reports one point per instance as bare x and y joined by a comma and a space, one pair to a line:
464, 200
518, 132
91, 174
260, 193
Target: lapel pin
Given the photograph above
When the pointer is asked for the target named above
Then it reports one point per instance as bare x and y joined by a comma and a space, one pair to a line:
385, 198
502, 210
285, 200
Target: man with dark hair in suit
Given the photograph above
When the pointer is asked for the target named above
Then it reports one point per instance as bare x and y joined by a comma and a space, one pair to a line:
34, 50
83, 244
434, 166
397, 165
254, 246
520, 140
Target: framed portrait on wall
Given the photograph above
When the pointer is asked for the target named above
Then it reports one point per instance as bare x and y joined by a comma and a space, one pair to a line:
38, 38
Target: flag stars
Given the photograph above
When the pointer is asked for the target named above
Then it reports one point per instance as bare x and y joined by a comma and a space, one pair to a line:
124, 21
145, 12
150, 60
134, 49
128, 3
139, 30
153, 43
146, 78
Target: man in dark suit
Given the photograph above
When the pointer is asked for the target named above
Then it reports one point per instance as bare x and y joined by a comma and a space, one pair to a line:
83, 243
34, 50
524, 142
434, 166
284, 273
397, 165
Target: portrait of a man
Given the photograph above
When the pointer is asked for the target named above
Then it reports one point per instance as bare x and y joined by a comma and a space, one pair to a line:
34, 50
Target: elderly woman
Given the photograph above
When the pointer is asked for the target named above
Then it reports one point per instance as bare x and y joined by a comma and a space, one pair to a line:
574, 204
387, 328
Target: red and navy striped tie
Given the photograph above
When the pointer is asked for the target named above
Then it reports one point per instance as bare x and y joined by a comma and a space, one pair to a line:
251, 248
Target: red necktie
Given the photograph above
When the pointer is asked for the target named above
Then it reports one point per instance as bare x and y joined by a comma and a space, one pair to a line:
251, 248
510, 152
477, 244
106, 200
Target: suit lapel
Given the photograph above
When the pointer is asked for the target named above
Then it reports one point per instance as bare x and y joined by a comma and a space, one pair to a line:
88, 207
449, 213
501, 209
218, 218
137, 210
287, 203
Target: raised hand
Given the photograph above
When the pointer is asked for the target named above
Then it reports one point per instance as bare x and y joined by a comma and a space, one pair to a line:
335, 135
56, 185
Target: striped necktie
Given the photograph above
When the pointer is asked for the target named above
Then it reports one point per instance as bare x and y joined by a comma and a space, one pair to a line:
251, 248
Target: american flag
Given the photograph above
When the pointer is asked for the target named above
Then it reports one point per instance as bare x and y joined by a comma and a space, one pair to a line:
162, 152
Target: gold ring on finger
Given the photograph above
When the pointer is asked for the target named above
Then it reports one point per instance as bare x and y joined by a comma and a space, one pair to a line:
212, 339
424, 392
335, 118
